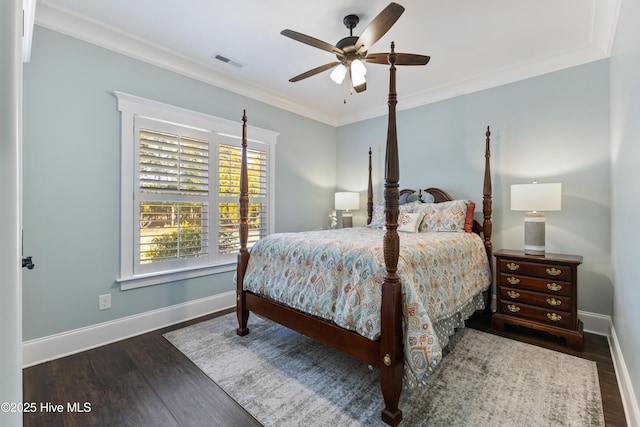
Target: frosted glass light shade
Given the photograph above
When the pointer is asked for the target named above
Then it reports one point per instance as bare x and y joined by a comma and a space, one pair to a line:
338, 73
358, 71
345, 201
536, 197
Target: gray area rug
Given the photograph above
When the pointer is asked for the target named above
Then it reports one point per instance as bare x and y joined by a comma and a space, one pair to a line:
285, 379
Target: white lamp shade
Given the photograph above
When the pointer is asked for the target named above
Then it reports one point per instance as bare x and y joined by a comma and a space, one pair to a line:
346, 201
536, 197
338, 73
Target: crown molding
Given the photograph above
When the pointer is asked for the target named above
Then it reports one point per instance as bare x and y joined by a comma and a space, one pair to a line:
517, 72
603, 27
95, 32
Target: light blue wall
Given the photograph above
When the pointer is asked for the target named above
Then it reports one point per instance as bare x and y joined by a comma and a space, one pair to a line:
625, 177
553, 128
72, 178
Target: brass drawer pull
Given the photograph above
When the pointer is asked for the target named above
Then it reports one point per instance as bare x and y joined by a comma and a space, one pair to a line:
514, 294
513, 266
554, 317
553, 271
554, 302
513, 308
513, 280
554, 287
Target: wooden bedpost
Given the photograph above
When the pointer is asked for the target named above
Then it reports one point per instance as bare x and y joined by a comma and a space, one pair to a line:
369, 194
243, 256
487, 226
391, 309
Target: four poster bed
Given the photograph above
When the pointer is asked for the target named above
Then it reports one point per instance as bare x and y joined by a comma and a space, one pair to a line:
350, 289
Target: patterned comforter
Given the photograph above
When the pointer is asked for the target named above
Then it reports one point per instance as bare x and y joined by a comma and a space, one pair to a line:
337, 275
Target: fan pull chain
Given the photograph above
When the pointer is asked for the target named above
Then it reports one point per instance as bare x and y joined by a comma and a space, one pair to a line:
344, 91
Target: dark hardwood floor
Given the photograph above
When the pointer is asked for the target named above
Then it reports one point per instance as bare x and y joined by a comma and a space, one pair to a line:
145, 381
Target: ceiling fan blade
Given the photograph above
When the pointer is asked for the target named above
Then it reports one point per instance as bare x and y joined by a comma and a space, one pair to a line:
311, 41
313, 72
379, 26
403, 58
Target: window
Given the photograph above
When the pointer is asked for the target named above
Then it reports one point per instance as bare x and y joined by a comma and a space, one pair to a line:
180, 191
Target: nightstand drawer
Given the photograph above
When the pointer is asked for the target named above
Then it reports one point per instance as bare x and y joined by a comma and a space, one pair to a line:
548, 316
553, 287
555, 302
523, 268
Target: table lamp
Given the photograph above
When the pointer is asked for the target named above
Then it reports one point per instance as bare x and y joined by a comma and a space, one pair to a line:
535, 199
347, 201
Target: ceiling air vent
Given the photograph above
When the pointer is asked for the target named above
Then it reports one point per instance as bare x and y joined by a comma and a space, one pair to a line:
228, 60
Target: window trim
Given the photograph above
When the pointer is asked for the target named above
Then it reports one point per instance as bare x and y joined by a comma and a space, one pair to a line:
131, 106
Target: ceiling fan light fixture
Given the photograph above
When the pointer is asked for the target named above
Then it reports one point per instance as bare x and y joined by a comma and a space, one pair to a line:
358, 71
338, 73
351, 52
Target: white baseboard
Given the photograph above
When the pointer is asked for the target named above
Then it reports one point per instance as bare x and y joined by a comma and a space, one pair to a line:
603, 325
629, 401
70, 342
595, 323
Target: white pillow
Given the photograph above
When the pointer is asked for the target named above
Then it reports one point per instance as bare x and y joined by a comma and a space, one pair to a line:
410, 222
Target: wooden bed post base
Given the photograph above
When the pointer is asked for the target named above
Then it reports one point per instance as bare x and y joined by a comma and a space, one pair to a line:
241, 307
393, 419
391, 343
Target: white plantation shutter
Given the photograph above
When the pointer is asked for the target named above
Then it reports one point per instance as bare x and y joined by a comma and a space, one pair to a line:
172, 164
173, 197
181, 188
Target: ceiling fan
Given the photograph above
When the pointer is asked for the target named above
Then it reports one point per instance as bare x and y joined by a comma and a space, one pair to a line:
352, 51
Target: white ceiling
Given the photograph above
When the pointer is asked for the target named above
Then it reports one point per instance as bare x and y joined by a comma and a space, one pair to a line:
473, 44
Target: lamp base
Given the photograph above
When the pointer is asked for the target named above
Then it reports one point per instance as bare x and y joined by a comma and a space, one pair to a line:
347, 220
534, 243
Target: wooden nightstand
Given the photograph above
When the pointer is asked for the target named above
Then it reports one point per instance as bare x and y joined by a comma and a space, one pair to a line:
539, 292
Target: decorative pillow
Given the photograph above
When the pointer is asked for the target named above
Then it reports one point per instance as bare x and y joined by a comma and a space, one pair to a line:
445, 216
428, 198
379, 220
408, 198
468, 222
413, 198
410, 222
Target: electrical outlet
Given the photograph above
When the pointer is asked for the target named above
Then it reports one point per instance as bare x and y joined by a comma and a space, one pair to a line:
104, 302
